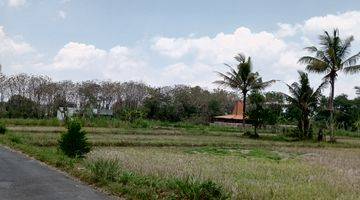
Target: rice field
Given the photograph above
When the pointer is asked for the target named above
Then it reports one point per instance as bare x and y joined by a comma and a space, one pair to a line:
272, 167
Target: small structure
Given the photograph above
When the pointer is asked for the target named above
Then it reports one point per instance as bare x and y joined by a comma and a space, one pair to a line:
236, 117
103, 112
71, 111
68, 112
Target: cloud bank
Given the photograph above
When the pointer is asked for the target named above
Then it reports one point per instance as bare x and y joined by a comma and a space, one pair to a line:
193, 60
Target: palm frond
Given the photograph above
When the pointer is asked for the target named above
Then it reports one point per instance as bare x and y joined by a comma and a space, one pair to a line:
351, 61
352, 69
241, 58
311, 49
345, 47
310, 60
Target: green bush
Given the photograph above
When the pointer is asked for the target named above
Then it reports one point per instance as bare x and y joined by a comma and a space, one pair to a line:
74, 143
140, 123
2, 128
15, 139
103, 170
193, 189
132, 115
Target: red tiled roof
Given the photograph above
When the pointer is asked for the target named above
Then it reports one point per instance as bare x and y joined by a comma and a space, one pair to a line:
237, 113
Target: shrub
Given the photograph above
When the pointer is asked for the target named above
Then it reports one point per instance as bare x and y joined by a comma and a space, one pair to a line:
247, 134
133, 114
2, 128
15, 139
74, 143
103, 170
140, 123
251, 135
193, 189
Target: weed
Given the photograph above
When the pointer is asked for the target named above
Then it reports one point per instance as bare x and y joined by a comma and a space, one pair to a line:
2, 128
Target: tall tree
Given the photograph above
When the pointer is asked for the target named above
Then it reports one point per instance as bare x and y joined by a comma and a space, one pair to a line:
304, 98
242, 78
330, 58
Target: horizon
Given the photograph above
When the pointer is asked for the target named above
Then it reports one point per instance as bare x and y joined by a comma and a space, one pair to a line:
164, 43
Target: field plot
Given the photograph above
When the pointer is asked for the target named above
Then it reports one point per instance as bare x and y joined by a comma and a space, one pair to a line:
181, 164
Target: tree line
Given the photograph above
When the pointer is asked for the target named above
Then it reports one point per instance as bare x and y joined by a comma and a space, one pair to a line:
33, 96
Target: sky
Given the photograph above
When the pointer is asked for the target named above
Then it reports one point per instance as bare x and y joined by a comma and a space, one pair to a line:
163, 42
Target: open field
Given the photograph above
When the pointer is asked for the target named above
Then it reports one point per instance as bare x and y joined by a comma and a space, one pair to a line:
168, 163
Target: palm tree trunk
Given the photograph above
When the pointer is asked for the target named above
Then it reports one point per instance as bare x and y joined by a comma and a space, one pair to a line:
244, 109
331, 108
306, 126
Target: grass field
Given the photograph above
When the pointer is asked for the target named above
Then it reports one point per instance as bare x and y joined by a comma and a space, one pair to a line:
189, 163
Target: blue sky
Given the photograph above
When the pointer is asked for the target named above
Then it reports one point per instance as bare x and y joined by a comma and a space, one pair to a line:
167, 42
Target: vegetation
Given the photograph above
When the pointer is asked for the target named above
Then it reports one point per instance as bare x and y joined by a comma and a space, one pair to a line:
331, 57
243, 79
74, 142
182, 164
2, 128
304, 98
257, 112
110, 172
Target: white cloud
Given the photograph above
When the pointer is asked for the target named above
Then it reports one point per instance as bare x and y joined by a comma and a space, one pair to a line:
62, 14
16, 3
348, 23
196, 59
275, 54
119, 63
79, 56
287, 30
9, 46
222, 47
16, 54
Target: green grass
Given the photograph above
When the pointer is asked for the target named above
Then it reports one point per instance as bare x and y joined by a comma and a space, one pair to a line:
30, 122
341, 132
241, 152
105, 122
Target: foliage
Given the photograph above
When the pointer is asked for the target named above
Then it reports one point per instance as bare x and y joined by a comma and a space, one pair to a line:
133, 115
74, 143
2, 128
305, 99
257, 112
275, 101
347, 112
22, 107
104, 170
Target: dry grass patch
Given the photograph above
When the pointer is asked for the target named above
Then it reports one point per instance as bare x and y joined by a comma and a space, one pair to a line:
245, 177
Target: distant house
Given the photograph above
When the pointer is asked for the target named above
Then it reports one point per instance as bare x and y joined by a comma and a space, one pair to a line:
103, 112
236, 117
69, 112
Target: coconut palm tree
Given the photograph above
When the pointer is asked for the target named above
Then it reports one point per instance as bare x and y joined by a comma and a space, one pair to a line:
242, 78
330, 58
304, 98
